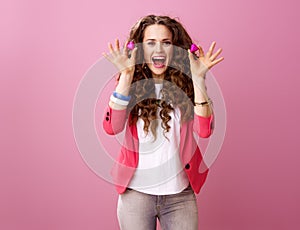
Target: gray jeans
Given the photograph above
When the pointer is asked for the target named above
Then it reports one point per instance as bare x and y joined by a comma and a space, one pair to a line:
139, 211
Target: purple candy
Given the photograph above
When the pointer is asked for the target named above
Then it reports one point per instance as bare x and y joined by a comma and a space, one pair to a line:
193, 48
130, 45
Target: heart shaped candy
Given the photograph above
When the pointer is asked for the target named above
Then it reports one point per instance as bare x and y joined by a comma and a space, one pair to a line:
194, 48
130, 45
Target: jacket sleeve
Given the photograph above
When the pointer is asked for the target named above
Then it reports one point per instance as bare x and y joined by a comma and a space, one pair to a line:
114, 120
203, 126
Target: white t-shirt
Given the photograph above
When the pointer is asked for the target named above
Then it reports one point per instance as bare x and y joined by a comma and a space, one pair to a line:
159, 169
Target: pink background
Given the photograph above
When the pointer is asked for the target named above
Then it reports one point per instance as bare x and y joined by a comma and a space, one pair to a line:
47, 46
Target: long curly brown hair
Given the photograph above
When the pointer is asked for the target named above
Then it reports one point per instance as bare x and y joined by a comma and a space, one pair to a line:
177, 91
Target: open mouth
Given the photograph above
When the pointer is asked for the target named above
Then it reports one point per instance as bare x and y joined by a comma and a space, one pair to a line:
159, 61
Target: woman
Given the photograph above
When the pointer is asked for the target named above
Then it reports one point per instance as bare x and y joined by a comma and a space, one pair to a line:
160, 99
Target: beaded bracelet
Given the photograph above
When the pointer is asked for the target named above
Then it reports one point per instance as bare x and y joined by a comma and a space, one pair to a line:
121, 96
118, 101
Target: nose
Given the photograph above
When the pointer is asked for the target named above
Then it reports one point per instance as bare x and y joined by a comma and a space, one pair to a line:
159, 47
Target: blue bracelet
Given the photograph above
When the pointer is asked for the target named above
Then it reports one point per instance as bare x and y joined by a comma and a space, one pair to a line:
122, 97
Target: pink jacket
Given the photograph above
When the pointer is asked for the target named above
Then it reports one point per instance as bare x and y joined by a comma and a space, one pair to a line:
114, 122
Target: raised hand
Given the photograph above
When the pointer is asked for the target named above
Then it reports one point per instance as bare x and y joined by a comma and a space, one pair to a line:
120, 58
204, 62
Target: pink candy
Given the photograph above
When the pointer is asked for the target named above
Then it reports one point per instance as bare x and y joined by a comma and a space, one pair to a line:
194, 48
130, 45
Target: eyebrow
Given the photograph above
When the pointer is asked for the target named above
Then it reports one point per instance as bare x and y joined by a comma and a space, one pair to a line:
165, 39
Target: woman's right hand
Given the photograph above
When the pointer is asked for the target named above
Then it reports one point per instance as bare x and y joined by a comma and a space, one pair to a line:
123, 63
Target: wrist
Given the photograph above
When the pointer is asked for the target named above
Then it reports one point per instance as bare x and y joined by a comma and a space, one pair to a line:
200, 91
124, 84
128, 74
199, 82
200, 76
123, 89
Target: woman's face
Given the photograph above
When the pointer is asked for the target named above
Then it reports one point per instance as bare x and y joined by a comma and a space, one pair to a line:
158, 49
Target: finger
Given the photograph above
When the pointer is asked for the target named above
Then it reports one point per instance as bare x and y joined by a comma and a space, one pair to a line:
217, 61
133, 55
191, 56
213, 57
117, 44
111, 49
106, 56
125, 50
201, 52
211, 49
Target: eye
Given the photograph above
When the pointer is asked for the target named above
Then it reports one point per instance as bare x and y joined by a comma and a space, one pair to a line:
151, 43
167, 43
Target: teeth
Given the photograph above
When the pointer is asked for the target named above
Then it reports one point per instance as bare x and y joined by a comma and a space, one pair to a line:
159, 58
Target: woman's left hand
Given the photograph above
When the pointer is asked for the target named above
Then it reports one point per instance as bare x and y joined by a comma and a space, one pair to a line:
204, 62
